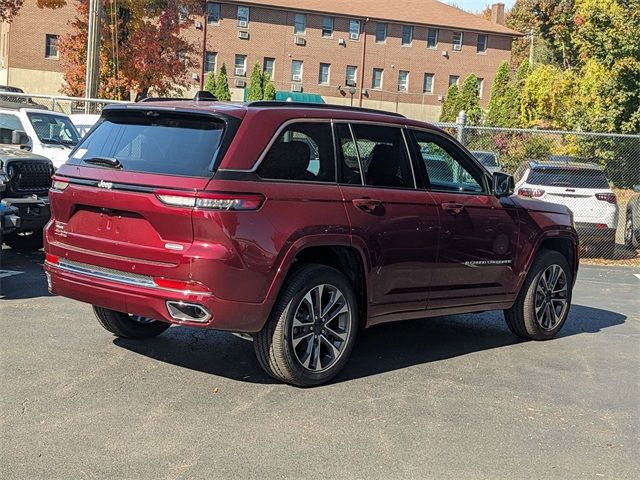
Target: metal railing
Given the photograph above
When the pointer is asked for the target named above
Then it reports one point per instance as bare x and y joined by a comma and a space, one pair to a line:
56, 103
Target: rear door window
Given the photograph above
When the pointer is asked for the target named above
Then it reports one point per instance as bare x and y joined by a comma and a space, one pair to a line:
303, 152
155, 142
568, 177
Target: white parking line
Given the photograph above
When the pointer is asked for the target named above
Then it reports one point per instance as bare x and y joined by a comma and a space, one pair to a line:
8, 273
637, 275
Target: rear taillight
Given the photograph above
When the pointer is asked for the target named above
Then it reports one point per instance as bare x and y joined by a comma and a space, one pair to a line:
182, 286
51, 259
212, 201
531, 192
607, 197
59, 185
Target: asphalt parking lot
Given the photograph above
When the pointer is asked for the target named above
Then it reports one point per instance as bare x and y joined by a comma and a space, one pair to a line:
456, 397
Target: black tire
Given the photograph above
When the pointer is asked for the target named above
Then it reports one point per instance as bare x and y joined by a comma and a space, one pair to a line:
274, 344
25, 242
521, 317
123, 325
629, 233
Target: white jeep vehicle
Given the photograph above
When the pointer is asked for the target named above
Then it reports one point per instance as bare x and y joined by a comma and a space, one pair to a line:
582, 187
45, 133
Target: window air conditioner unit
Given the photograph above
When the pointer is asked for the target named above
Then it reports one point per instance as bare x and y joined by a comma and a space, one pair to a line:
243, 34
353, 36
296, 78
240, 83
342, 41
441, 98
243, 23
240, 72
296, 87
301, 41
457, 47
198, 25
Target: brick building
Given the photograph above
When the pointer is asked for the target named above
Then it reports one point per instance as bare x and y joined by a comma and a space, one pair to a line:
398, 55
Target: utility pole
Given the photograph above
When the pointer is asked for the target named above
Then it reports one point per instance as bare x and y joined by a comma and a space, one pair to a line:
203, 56
93, 52
532, 37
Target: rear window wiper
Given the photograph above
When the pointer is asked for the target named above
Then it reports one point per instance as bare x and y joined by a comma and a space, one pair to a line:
104, 161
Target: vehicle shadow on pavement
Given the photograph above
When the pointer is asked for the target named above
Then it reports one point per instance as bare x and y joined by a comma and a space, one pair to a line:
380, 349
22, 275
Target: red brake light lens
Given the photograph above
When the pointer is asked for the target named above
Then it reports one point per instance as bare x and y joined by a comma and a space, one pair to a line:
51, 259
607, 197
531, 192
212, 201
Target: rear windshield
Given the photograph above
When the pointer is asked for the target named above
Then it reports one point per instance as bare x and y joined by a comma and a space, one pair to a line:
487, 159
566, 177
155, 142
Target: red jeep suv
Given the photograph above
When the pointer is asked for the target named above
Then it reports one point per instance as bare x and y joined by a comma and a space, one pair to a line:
299, 225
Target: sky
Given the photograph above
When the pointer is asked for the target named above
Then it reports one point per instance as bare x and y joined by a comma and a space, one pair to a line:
478, 5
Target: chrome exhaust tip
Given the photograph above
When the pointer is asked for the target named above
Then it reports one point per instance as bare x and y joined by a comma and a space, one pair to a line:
188, 312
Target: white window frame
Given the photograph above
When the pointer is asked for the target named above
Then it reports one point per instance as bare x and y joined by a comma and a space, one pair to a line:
352, 23
271, 73
403, 87
243, 20
327, 25
296, 23
410, 30
424, 83
54, 42
328, 81
244, 64
457, 40
373, 79
480, 87
206, 61
386, 30
213, 4
300, 73
437, 37
484, 45
457, 82
354, 69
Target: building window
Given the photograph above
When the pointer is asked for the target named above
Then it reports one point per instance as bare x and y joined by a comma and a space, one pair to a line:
296, 70
323, 76
350, 80
243, 16
457, 41
428, 83
354, 29
376, 81
381, 32
327, 27
269, 66
210, 62
480, 86
403, 81
407, 34
454, 80
300, 25
183, 13
51, 46
213, 13
432, 38
241, 65
482, 43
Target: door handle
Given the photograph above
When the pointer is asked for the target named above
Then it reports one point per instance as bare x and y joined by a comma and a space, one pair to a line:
366, 204
453, 208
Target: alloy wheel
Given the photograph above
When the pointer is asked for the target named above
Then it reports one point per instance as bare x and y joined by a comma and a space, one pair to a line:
321, 328
551, 302
141, 319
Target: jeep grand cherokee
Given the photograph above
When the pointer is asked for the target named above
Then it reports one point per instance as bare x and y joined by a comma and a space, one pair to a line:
299, 225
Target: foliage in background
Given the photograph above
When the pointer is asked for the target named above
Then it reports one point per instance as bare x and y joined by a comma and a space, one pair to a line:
256, 91
469, 100
9, 9
269, 89
547, 97
222, 85
451, 105
210, 83
504, 103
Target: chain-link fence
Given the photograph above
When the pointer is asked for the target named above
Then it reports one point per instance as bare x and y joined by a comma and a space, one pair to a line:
67, 105
578, 169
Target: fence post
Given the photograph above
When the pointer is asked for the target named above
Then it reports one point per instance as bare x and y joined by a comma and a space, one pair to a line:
461, 123
53, 104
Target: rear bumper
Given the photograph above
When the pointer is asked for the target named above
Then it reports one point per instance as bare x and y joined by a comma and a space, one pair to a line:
590, 234
152, 301
34, 212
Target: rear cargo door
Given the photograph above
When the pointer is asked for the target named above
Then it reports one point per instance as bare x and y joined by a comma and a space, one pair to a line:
110, 196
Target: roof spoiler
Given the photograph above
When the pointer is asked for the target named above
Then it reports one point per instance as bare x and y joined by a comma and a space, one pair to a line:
200, 96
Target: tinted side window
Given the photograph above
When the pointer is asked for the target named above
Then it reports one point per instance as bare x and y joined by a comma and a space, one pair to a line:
447, 169
302, 152
383, 156
349, 164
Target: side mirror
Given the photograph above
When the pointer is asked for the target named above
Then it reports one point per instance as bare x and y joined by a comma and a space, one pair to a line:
19, 137
503, 184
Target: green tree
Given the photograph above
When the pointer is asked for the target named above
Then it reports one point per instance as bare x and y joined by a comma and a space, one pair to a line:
547, 97
210, 83
268, 89
222, 85
469, 100
255, 87
504, 105
451, 105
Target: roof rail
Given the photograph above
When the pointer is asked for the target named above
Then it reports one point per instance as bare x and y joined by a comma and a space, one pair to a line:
200, 96
320, 106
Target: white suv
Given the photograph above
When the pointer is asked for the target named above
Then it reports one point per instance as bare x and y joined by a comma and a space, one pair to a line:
583, 187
